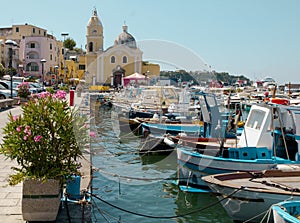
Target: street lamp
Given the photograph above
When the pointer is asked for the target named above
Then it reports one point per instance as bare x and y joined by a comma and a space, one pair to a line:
43, 61
10, 44
21, 70
56, 69
64, 54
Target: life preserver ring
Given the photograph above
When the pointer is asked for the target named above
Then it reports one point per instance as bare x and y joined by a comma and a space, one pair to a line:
280, 101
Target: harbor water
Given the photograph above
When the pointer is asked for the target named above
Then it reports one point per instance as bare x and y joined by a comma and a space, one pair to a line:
130, 187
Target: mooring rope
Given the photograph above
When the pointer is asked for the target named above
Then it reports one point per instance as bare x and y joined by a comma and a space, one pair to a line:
132, 132
166, 217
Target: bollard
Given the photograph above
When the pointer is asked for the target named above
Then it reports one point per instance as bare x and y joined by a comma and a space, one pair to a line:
72, 92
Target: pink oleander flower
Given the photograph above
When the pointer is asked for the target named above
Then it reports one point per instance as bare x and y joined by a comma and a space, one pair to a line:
44, 94
37, 138
23, 90
19, 128
27, 130
60, 94
47, 137
92, 134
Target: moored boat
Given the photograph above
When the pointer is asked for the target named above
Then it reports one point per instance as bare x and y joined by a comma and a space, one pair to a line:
248, 196
286, 212
271, 136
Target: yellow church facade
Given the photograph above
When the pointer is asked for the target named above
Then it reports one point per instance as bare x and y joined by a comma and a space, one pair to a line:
122, 59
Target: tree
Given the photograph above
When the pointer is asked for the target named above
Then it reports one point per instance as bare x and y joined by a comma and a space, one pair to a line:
69, 43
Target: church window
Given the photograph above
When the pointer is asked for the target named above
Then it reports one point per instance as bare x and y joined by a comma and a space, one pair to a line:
124, 59
112, 59
91, 47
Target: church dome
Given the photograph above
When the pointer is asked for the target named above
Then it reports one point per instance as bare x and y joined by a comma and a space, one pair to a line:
94, 20
125, 38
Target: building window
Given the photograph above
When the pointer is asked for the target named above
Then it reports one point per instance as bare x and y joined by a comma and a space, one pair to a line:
32, 45
32, 67
33, 55
112, 59
81, 67
44, 33
17, 29
91, 47
124, 59
50, 56
33, 30
50, 46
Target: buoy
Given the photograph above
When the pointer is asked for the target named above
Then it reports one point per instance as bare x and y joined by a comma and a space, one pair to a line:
169, 142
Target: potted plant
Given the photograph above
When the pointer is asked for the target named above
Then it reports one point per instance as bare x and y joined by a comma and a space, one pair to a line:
23, 91
46, 141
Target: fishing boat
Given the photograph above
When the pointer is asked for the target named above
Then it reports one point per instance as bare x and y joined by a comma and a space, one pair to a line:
132, 106
210, 128
248, 196
271, 136
205, 122
167, 143
286, 212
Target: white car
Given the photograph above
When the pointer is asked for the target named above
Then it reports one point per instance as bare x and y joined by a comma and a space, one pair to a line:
6, 93
35, 86
32, 87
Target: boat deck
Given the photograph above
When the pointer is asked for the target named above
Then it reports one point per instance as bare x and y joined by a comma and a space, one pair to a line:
274, 181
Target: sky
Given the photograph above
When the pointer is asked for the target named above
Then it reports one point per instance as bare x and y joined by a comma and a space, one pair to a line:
254, 38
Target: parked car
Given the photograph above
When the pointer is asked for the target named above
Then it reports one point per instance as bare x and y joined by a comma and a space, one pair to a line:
6, 93
7, 84
33, 87
36, 86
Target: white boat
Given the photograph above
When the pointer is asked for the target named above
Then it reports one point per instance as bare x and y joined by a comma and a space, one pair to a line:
271, 136
286, 212
248, 196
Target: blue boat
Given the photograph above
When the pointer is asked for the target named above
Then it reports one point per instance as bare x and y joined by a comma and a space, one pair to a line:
208, 123
286, 211
270, 137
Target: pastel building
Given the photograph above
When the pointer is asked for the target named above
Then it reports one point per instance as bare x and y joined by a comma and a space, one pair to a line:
34, 45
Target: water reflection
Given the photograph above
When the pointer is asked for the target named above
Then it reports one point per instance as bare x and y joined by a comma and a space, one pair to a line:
141, 183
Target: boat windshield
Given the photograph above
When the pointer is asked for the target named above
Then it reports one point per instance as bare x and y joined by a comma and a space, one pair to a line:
255, 119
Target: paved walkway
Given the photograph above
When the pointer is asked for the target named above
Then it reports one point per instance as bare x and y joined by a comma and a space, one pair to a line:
10, 196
